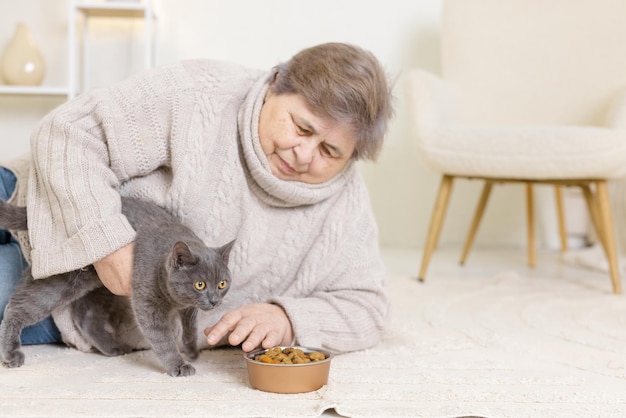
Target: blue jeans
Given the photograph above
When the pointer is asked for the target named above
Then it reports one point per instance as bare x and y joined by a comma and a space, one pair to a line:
12, 265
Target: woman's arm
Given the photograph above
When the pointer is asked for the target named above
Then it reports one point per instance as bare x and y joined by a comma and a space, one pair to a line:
348, 307
338, 300
82, 152
347, 312
116, 270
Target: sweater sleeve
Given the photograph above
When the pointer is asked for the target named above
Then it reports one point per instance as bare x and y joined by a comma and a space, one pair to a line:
348, 308
82, 152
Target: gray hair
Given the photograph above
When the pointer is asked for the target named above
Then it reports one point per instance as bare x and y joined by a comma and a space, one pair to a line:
344, 83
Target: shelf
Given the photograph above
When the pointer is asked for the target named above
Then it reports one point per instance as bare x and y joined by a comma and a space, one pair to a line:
112, 9
78, 66
76, 69
34, 90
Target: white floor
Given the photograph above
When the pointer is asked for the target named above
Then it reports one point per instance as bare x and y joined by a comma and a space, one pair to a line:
589, 267
504, 262
492, 338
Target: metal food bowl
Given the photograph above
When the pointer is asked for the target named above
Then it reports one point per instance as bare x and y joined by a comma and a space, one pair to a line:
288, 378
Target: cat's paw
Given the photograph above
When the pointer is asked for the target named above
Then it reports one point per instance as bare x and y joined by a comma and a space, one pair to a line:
184, 369
14, 359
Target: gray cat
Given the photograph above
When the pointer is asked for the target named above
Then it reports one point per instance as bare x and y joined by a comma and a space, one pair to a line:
174, 275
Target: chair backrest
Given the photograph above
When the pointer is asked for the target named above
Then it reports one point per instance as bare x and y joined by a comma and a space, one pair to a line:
538, 62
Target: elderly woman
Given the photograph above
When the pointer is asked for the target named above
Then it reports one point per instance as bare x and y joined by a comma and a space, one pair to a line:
263, 158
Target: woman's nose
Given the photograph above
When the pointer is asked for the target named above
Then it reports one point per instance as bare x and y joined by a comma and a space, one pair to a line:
304, 151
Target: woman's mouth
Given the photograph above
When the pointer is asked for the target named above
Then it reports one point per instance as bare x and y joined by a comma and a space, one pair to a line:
284, 167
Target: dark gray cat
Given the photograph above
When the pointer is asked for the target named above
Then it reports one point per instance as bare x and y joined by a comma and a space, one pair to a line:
174, 275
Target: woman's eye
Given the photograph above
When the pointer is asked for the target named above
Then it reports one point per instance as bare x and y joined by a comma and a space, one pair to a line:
325, 151
222, 284
199, 285
301, 131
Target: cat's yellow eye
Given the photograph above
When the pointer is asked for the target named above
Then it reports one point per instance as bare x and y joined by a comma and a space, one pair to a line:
199, 285
222, 284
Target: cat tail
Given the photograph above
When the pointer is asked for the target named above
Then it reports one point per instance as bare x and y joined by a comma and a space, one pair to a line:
12, 217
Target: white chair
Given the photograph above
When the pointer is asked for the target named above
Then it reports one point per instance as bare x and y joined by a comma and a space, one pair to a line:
530, 92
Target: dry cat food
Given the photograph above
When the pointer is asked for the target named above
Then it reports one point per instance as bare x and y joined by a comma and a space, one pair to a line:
289, 355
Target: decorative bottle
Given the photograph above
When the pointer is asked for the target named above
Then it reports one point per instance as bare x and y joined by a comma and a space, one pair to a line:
22, 63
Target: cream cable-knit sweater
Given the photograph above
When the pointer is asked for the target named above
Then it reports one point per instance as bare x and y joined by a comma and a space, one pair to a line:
185, 136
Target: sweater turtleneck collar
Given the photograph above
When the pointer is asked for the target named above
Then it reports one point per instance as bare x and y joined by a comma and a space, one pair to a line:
267, 187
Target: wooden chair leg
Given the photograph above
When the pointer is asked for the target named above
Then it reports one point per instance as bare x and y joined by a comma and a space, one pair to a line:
530, 213
558, 196
606, 224
478, 214
592, 206
439, 211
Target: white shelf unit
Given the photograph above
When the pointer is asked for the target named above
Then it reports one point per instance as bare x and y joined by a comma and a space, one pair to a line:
112, 9
34, 90
87, 10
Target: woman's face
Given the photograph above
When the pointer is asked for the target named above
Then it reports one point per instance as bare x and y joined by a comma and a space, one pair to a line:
299, 145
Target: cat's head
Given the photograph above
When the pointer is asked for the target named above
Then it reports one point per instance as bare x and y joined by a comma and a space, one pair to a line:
198, 275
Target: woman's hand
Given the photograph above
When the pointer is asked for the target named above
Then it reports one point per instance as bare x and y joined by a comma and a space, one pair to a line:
116, 270
256, 324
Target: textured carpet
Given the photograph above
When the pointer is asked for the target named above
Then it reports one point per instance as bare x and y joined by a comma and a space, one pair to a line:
494, 344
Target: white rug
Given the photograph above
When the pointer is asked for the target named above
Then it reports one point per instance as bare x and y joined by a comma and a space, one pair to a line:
592, 258
493, 346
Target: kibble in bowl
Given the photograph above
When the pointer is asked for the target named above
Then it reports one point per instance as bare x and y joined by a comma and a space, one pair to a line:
288, 369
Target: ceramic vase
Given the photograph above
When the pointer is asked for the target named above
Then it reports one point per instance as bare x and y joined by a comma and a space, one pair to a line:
22, 63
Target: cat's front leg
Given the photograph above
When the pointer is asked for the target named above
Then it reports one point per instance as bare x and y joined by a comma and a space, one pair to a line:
155, 325
190, 326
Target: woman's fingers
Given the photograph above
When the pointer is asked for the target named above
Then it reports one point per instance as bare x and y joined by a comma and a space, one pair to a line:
225, 325
252, 326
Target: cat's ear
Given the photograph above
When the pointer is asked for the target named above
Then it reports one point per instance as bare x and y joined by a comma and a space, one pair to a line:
181, 255
224, 250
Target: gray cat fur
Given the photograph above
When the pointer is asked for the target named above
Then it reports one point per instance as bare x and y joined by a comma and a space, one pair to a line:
168, 259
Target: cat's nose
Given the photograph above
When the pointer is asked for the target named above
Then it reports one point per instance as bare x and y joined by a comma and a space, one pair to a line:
215, 300
210, 304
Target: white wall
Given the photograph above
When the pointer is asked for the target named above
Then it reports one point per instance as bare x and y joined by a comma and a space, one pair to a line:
402, 33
